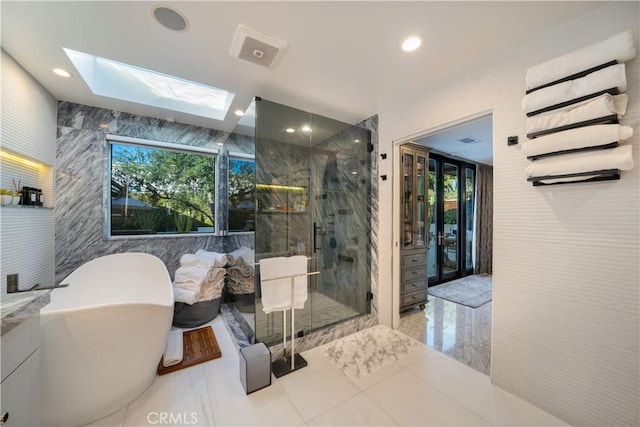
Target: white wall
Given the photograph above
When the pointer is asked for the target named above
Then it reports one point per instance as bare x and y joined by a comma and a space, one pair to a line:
28, 128
566, 276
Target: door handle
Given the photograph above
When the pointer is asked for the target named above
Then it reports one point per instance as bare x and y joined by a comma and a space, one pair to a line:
316, 228
440, 237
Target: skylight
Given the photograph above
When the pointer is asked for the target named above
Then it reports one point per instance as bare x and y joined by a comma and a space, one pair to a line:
117, 80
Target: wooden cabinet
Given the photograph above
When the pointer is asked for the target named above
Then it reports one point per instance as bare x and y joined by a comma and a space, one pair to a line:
413, 252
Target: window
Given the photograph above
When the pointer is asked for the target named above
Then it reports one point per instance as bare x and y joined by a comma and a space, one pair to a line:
160, 188
242, 194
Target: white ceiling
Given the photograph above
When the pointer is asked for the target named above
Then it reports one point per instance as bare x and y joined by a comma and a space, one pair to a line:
343, 60
448, 140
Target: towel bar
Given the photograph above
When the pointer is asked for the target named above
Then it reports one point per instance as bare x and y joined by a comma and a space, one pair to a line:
607, 120
601, 175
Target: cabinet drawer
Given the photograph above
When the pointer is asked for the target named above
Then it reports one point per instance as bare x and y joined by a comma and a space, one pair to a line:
409, 261
21, 394
415, 298
19, 343
410, 274
411, 287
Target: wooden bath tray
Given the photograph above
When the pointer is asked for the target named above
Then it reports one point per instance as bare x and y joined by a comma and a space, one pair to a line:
200, 345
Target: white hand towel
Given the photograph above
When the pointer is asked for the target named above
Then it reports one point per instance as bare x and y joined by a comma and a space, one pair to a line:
186, 296
607, 78
173, 353
616, 158
571, 139
595, 108
619, 47
275, 281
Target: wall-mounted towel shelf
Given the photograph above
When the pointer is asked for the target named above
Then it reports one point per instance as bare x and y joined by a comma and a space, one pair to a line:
601, 175
607, 120
612, 91
574, 76
575, 150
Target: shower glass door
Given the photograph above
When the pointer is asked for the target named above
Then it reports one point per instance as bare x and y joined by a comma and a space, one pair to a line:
313, 182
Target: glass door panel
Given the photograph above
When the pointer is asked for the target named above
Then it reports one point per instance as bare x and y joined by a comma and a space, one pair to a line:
314, 199
451, 204
469, 209
420, 233
407, 171
432, 252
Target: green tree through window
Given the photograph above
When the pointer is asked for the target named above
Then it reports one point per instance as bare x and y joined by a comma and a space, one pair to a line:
155, 190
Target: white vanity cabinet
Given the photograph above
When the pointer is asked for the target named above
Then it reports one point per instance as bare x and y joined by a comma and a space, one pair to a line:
20, 388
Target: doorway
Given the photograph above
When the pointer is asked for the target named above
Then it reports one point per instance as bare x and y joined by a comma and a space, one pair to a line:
451, 218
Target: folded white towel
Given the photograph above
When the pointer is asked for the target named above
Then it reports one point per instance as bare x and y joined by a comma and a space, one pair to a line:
204, 258
191, 278
589, 161
595, 108
571, 139
276, 275
213, 286
241, 271
185, 295
242, 256
607, 78
619, 47
173, 353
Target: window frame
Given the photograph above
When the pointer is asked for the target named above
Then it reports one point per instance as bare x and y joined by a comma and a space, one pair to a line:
147, 143
231, 155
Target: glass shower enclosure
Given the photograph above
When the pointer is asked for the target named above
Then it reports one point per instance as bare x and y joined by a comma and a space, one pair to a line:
313, 186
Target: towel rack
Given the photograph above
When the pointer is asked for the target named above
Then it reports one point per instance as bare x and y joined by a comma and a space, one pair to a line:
611, 91
575, 150
601, 175
606, 120
574, 76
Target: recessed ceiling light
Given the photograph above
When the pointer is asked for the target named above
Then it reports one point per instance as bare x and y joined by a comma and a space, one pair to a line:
356, 140
239, 113
306, 128
61, 72
289, 130
411, 44
170, 18
220, 143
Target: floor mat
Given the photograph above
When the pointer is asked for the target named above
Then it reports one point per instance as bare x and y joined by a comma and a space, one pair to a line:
472, 291
366, 351
200, 345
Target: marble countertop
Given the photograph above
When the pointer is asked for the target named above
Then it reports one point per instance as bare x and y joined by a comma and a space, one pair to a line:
17, 307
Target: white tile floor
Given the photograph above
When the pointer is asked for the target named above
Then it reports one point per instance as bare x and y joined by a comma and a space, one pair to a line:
424, 388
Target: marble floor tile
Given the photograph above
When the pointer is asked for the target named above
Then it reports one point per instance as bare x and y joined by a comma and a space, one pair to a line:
317, 387
458, 331
269, 406
423, 387
182, 395
114, 420
360, 410
475, 391
410, 401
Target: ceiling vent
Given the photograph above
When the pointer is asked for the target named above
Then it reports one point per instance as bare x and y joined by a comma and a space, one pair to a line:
257, 47
469, 140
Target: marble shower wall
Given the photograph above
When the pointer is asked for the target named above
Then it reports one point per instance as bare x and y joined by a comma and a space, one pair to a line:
80, 177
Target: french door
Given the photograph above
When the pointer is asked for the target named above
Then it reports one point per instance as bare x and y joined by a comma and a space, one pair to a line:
451, 218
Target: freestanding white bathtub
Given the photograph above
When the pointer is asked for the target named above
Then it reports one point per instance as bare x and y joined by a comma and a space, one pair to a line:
102, 337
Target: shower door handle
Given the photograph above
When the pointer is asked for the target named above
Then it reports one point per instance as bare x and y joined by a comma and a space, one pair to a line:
315, 236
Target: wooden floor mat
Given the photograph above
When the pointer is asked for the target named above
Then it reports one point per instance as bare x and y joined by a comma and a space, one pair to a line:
200, 345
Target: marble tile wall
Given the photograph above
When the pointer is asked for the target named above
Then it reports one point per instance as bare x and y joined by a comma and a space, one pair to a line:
80, 162
80, 158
